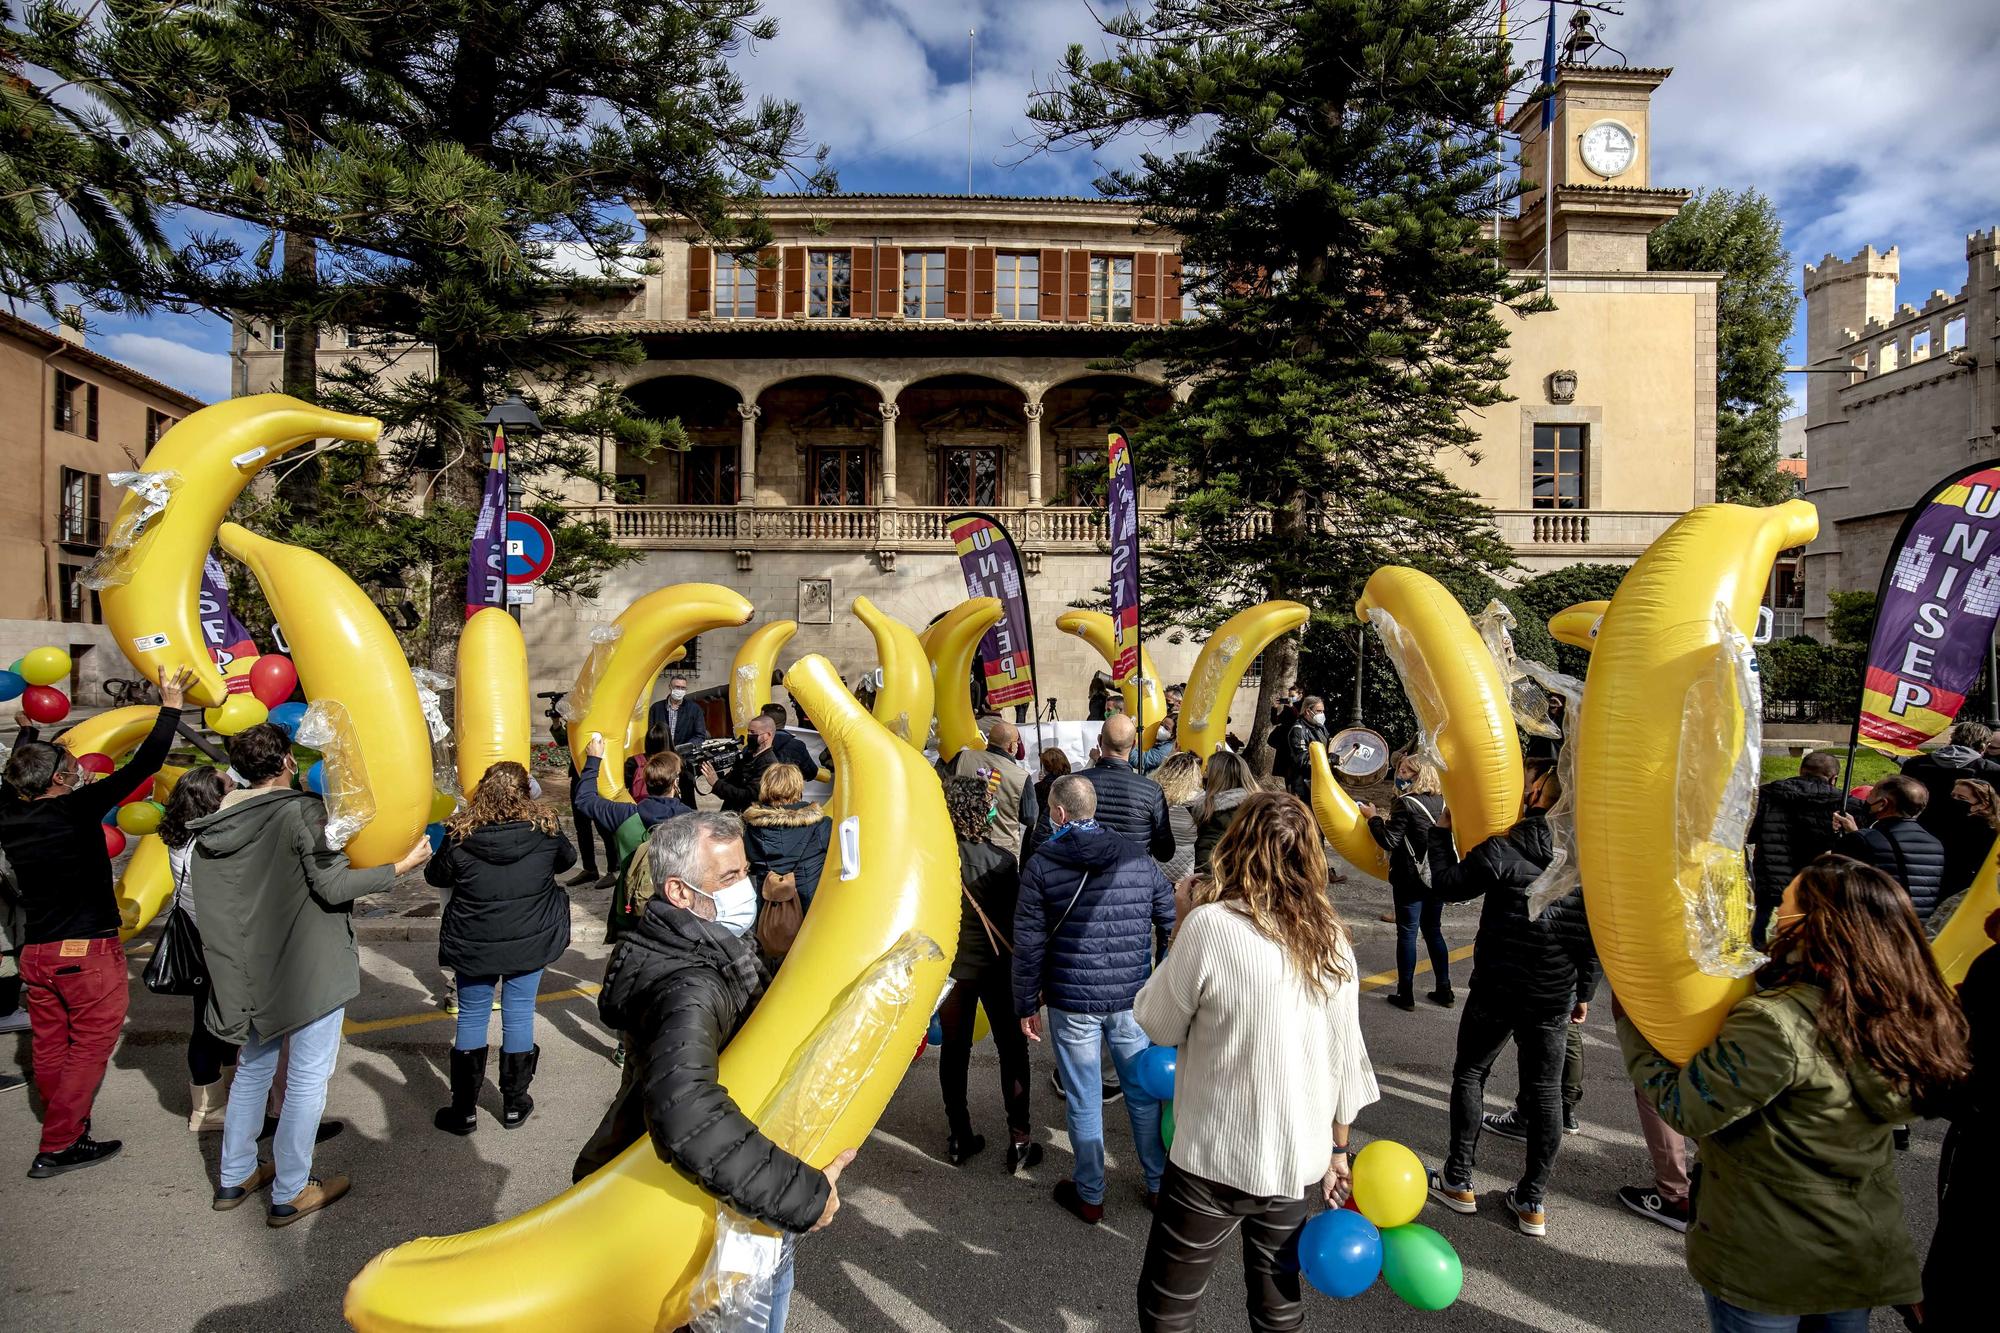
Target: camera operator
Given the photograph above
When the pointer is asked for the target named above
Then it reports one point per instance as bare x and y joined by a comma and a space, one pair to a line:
737, 789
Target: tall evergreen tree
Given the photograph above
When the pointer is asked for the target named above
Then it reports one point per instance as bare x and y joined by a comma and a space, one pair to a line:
1333, 225
1737, 233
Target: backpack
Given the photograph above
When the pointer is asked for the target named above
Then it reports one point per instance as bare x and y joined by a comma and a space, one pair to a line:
778, 924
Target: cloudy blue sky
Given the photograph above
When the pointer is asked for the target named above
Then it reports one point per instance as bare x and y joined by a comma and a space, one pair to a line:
1868, 123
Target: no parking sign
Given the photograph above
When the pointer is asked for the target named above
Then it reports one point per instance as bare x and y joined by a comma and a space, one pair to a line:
530, 548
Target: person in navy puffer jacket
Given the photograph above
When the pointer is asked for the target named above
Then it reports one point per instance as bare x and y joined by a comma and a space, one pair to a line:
1083, 945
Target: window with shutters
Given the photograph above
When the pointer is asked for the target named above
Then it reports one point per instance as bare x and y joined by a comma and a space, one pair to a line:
1017, 286
971, 477
79, 604
1111, 289
78, 521
735, 295
923, 284
708, 475
158, 423
75, 406
838, 477
1559, 481
829, 284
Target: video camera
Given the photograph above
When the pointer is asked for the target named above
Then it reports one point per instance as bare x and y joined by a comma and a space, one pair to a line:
722, 751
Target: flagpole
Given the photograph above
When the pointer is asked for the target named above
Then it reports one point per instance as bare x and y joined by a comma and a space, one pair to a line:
1548, 148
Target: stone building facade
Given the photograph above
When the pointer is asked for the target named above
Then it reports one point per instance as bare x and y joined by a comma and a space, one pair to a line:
1916, 394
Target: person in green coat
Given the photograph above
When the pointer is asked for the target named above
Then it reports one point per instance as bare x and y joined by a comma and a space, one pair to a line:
1798, 1219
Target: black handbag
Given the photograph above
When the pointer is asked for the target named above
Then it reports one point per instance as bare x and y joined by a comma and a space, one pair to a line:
177, 966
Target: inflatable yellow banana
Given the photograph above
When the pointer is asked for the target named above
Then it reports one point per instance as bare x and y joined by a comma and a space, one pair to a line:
953, 643
1454, 687
618, 1251
344, 650
908, 695
1577, 625
750, 673
1658, 639
148, 881
212, 454
655, 627
491, 701
1340, 820
1145, 701
1963, 937
642, 706
1219, 668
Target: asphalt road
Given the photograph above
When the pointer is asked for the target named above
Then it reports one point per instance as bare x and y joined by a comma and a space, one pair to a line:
920, 1247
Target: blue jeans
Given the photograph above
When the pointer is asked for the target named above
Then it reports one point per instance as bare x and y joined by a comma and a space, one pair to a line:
781, 1292
1424, 915
517, 1011
1726, 1318
1077, 1038
313, 1050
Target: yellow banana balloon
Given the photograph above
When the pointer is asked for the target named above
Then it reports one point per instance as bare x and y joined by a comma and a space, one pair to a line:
1219, 668
750, 673
1340, 820
908, 694
642, 706
345, 651
1455, 689
1145, 700
952, 643
212, 454
655, 627
1963, 937
491, 701
148, 881
1577, 625
1659, 638
619, 1250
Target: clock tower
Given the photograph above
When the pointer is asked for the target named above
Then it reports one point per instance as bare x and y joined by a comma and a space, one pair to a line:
1604, 205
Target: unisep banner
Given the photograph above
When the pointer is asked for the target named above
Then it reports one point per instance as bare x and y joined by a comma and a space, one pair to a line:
1939, 599
486, 569
992, 568
1124, 524
226, 636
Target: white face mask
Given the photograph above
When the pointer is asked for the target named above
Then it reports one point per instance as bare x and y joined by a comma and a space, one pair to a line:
1319, 719
677, 695
735, 906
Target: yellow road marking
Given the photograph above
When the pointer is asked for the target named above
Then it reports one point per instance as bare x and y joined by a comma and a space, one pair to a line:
352, 1029
1381, 979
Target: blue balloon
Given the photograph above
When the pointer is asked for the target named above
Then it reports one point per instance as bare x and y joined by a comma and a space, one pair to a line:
1340, 1252
1156, 1071
11, 686
315, 779
935, 1036
435, 832
286, 718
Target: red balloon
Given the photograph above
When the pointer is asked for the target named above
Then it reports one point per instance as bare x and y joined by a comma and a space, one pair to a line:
114, 839
95, 763
272, 679
45, 703
144, 790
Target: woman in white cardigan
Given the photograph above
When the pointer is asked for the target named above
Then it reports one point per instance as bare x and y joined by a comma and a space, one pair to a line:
1259, 993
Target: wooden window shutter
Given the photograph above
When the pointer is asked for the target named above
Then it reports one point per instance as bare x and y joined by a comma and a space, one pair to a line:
1052, 284
795, 281
701, 280
888, 281
90, 428
1170, 288
1146, 288
861, 288
982, 282
957, 282
767, 283
1079, 286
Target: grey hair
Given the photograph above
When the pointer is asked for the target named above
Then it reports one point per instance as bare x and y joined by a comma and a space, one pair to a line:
1073, 792
675, 848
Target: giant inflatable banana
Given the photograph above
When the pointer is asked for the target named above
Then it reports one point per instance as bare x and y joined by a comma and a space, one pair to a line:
908, 694
655, 627
618, 1251
1145, 703
491, 701
1340, 820
212, 454
1454, 687
345, 650
1659, 637
148, 881
1963, 937
1577, 625
952, 643
1219, 668
750, 673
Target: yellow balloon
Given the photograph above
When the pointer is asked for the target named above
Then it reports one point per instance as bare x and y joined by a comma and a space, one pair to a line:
491, 702
44, 666
908, 695
1577, 625
443, 803
1389, 1184
1340, 820
239, 712
148, 881
1145, 697
1963, 937
952, 644
139, 818
1219, 668
750, 673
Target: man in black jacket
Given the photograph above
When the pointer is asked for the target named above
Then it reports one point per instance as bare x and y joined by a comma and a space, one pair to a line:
1793, 825
1127, 804
673, 722
677, 988
1526, 977
1310, 727
1897, 844
788, 748
1966, 837
737, 789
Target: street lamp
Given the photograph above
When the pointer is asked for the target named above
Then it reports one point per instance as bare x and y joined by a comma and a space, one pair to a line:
510, 417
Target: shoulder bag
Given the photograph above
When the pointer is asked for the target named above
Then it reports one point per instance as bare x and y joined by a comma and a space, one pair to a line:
177, 966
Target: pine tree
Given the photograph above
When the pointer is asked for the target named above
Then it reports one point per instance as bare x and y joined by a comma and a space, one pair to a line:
1738, 234
1333, 230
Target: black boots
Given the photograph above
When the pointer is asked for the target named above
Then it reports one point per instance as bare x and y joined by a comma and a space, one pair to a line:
517, 1071
468, 1072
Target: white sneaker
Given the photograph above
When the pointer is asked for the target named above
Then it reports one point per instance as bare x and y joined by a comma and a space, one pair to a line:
15, 1022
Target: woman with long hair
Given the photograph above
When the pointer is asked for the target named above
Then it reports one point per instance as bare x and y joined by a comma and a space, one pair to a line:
505, 921
1227, 782
1259, 994
1179, 780
1851, 1031
211, 1061
1054, 764
1403, 830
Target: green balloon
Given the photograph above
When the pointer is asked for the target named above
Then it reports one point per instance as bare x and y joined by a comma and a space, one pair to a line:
1167, 1124
1421, 1267
15, 666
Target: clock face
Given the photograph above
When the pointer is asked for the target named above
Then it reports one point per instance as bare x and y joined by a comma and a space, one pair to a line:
1608, 148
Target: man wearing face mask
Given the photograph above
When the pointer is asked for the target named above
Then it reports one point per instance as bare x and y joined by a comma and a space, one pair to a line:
1310, 727
673, 722
678, 987
737, 789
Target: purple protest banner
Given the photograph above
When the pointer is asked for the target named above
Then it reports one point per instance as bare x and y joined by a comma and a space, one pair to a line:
486, 569
1123, 519
992, 568
226, 636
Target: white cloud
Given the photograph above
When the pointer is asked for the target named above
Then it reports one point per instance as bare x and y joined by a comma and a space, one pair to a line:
172, 361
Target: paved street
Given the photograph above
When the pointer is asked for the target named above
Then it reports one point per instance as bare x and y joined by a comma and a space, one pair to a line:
920, 1247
